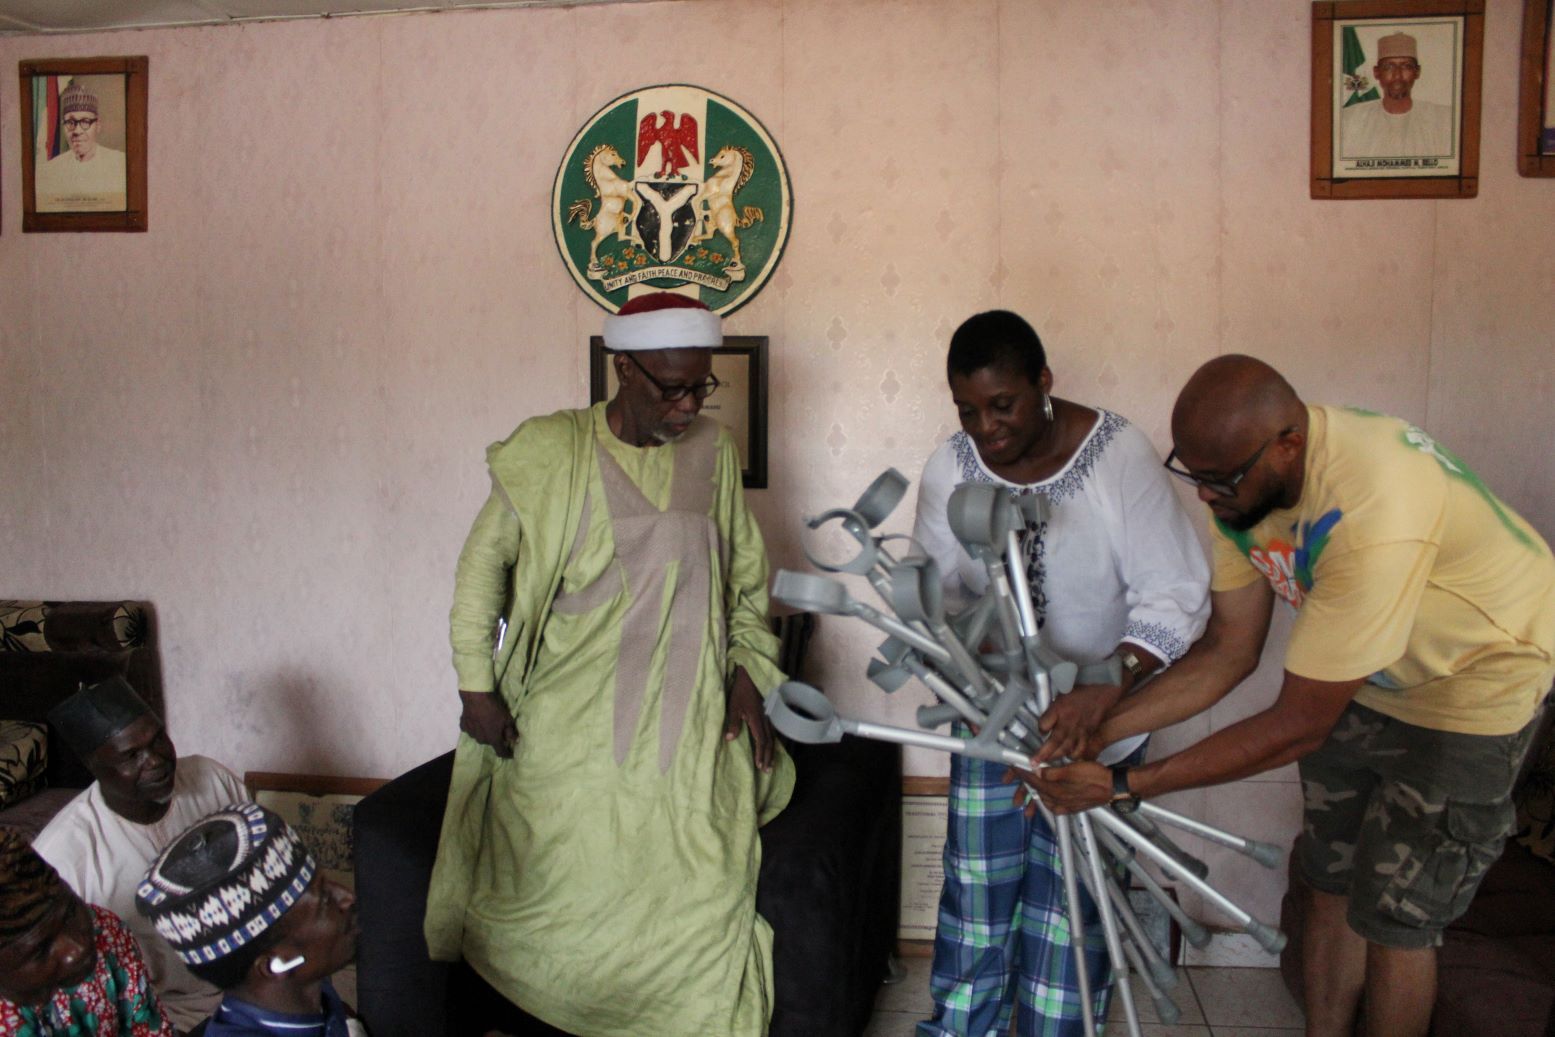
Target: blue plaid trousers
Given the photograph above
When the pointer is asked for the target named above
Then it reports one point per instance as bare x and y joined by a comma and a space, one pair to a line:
1003, 940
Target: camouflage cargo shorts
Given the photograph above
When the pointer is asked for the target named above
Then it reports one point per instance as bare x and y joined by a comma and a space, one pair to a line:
1405, 821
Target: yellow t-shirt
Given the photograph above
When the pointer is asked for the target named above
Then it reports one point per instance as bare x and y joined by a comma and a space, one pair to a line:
1406, 570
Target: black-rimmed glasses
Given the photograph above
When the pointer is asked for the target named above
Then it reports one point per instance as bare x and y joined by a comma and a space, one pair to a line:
1223, 486
676, 393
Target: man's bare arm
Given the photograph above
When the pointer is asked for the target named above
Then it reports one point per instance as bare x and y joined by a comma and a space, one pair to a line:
1217, 662
1296, 724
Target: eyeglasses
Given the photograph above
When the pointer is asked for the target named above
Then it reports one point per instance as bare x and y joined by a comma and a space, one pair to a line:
1223, 487
79, 124
676, 393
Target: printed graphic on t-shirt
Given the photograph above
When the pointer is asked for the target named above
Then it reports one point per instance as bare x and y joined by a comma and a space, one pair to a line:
1421, 440
1288, 565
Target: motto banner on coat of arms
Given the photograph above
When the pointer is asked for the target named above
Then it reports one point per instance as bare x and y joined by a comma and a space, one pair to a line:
672, 187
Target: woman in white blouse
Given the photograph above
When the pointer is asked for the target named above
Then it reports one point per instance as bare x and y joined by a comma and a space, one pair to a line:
1116, 569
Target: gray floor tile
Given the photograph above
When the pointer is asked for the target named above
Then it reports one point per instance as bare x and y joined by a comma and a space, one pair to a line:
1245, 997
891, 1024
911, 994
1256, 1031
1182, 994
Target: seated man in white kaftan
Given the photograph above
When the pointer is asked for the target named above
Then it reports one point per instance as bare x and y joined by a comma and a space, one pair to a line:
599, 855
103, 841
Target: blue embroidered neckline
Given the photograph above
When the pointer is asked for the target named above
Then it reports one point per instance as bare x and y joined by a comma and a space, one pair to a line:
1061, 487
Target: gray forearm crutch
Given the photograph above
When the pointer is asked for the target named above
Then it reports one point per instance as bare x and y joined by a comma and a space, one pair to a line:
1003, 696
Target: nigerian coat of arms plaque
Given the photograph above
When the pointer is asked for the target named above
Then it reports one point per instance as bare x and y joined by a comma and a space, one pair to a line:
672, 187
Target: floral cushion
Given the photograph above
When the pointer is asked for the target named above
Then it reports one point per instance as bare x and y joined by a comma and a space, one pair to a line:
1536, 804
71, 626
24, 753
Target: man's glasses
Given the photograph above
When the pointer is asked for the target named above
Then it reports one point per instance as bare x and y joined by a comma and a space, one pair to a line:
1223, 486
79, 124
676, 393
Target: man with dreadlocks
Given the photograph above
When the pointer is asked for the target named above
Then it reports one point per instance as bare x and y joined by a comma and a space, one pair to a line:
66, 967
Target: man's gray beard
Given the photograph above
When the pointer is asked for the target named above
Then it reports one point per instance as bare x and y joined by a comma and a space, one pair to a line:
665, 438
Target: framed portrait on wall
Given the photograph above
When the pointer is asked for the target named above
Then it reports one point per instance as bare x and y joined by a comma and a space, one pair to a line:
84, 144
739, 404
1536, 91
1395, 98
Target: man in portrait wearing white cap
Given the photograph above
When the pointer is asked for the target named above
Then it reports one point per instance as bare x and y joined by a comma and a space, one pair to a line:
1397, 125
88, 176
598, 859
145, 794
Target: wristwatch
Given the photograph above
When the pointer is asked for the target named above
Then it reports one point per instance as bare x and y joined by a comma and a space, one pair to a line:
1131, 662
1123, 801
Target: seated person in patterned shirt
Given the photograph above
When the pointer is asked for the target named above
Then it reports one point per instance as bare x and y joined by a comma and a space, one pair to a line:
239, 898
66, 967
103, 840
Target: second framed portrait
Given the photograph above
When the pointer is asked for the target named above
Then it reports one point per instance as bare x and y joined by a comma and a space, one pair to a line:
1395, 98
1536, 92
739, 403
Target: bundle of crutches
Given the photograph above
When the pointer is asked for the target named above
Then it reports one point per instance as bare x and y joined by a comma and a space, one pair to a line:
990, 671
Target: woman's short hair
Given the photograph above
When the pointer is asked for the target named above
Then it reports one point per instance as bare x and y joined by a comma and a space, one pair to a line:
996, 338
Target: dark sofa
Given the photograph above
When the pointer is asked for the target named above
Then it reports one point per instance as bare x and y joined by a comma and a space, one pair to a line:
47, 650
829, 886
1496, 966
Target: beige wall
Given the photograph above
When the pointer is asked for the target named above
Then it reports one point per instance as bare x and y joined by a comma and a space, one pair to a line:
267, 414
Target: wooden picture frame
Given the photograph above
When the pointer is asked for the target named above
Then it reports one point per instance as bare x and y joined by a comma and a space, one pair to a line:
1358, 151
740, 404
318, 807
106, 189
1536, 91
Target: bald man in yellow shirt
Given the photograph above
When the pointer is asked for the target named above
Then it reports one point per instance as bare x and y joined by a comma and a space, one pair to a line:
1423, 648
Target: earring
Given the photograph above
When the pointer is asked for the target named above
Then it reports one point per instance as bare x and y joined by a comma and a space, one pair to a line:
1047, 407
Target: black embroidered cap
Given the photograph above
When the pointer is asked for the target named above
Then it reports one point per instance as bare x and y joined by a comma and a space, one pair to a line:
227, 879
96, 713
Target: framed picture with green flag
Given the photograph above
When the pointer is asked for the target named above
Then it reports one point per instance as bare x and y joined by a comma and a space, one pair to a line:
1536, 91
84, 144
1395, 98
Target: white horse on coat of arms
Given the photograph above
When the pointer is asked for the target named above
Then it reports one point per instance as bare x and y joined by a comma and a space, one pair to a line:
617, 207
733, 167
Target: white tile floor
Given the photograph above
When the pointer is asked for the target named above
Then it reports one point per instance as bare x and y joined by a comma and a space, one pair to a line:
1213, 1002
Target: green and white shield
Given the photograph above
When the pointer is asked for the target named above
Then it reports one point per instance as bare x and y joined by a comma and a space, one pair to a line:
672, 188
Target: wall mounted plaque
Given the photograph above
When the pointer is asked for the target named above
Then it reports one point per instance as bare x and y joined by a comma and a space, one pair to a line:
675, 188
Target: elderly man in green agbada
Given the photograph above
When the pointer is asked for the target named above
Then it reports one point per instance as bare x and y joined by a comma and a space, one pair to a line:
599, 853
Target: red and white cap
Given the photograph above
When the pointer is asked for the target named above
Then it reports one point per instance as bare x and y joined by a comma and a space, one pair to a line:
663, 320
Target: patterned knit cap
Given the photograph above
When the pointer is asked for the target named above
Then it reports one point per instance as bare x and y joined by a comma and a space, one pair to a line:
96, 713
77, 98
227, 879
29, 886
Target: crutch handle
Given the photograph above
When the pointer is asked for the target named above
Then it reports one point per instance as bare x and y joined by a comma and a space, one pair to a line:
936, 716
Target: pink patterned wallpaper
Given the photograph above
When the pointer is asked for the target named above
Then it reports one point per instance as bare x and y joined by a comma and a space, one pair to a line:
267, 414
